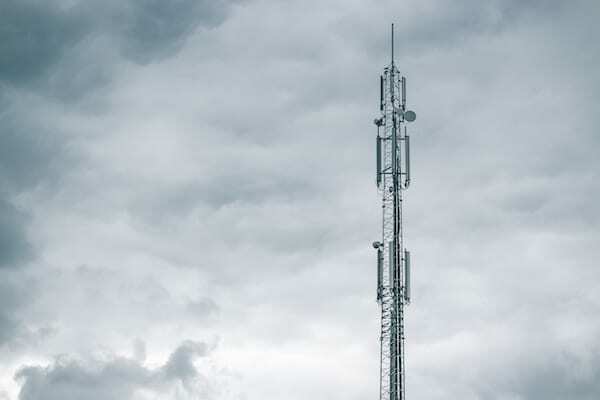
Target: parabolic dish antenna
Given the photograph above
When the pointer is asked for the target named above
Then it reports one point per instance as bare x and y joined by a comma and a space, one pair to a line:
410, 116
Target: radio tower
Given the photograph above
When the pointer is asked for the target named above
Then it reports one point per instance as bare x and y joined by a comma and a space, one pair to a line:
393, 260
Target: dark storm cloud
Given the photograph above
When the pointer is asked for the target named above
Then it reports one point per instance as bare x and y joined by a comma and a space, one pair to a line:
31, 150
51, 52
119, 378
33, 155
46, 46
27, 158
58, 49
34, 35
66, 51
152, 29
14, 245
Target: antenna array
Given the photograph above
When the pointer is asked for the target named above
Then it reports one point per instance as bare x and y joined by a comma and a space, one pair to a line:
393, 260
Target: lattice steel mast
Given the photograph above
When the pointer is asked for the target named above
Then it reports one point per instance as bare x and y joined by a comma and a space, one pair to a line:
393, 260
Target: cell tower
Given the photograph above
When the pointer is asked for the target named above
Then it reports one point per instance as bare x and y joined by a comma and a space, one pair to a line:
393, 260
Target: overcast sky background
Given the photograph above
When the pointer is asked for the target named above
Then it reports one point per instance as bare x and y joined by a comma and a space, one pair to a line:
188, 199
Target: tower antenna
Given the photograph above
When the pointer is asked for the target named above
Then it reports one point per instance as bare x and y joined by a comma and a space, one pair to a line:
393, 259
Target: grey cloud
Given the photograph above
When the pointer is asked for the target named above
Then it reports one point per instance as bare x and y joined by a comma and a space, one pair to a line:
66, 51
525, 370
15, 329
203, 308
181, 363
14, 245
8, 328
249, 186
547, 369
30, 152
119, 378
9, 303
47, 46
570, 378
119, 299
433, 25
154, 29
32, 156
33, 36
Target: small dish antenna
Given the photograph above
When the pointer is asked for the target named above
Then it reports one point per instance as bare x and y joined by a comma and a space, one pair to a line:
410, 116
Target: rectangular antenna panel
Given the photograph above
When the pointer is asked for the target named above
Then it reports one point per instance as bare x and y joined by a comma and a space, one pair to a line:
378, 158
407, 156
380, 93
407, 276
403, 93
379, 272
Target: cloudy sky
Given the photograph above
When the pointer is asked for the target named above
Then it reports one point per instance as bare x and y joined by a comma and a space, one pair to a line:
188, 200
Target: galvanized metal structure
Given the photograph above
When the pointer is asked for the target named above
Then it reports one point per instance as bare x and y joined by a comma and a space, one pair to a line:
393, 260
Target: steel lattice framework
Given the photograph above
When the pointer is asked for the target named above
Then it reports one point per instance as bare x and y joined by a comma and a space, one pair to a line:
393, 260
